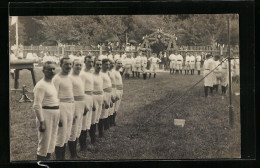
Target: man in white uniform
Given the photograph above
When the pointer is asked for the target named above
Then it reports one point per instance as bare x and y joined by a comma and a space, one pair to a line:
217, 72
79, 97
208, 80
46, 108
187, 64
97, 100
133, 67
127, 66
172, 59
114, 98
179, 59
192, 64
198, 63
154, 64
138, 64
87, 79
64, 87
144, 65
119, 89
107, 90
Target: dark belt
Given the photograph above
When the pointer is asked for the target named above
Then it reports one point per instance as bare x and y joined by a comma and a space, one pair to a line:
88, 92
51, 107
192, 61
178, 60
207, 69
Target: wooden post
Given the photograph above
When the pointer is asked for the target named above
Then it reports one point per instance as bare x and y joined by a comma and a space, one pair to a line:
231, 117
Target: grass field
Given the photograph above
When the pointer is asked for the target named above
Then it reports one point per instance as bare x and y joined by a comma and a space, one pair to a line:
145, 127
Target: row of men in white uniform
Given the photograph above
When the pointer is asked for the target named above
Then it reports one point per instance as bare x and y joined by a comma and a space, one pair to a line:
216, 72
70, 104
136, 65
178, 63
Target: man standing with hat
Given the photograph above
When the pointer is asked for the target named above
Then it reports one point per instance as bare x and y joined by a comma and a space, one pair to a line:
127, 66
192, 64
119, 89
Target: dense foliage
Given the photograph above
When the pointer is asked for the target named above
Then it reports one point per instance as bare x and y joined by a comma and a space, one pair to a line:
94, 29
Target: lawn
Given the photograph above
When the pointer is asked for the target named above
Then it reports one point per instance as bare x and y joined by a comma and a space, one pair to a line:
145, 122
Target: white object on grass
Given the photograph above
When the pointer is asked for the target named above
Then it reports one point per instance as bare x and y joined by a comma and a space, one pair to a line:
179, 122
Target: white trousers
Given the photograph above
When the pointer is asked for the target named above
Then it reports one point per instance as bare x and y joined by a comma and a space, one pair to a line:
172, 65
153, 68
104, 112
179, 65
66, 116
192, 65
47, 139
76, 125
86, 120
117, 103
112, 109
98, 101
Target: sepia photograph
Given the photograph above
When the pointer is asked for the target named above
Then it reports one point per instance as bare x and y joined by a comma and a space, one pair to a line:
124, 87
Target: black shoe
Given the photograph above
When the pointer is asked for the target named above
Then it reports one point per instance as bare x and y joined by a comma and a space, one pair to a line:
58, 152
82, 140
41, 157
150, 75
100, 128
48, 156
154, 75
114, 119
92, 133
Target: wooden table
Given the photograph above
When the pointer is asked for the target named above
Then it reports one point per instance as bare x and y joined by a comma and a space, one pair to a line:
18, 65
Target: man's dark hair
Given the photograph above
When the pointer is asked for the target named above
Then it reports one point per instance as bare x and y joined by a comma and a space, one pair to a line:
46, 64
62, 60
87, 57
105, 60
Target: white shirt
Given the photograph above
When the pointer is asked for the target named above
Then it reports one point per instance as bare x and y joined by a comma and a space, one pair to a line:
187, 60
106, 80
78, 88
64, 86
144, 60
87, 79
118, 78
172, 57
98, 82
198, 58
117, 56
45, 94
138, 60
192, 59
154, 60
111, 74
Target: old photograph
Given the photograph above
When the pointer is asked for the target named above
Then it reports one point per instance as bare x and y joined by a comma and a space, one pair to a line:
124, 87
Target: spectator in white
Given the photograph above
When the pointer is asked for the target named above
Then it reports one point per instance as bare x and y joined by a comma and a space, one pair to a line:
154, 64
187, 63
133, 67
117, 56
192, 64
198, 63
208, 80
179, 63
172, 59
127, 66
217, 72
144, 66
46, 108
138, 64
